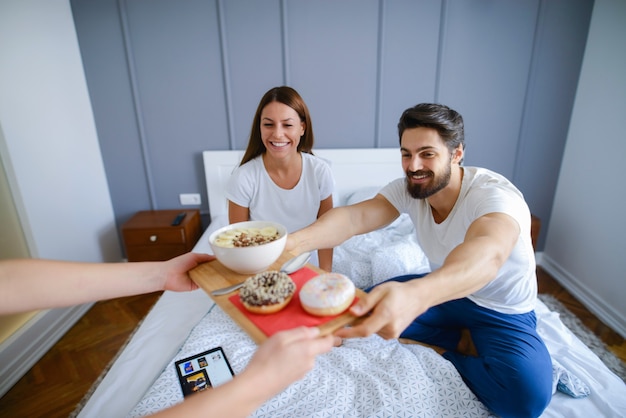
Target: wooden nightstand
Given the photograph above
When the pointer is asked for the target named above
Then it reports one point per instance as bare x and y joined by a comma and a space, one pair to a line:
150, 236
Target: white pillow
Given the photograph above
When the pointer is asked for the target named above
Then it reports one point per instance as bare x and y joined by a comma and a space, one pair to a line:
362, 194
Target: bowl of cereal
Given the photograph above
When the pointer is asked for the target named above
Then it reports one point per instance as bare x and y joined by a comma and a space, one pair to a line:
249, 247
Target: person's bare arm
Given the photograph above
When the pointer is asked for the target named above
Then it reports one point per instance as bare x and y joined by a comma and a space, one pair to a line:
488, 243
30, 284
470, 266
237, 213
284, 358
341, 223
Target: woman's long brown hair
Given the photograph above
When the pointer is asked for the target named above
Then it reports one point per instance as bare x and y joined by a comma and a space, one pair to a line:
288, 96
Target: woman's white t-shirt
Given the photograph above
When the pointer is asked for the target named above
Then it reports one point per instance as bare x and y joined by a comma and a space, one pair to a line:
251, 186
514, 289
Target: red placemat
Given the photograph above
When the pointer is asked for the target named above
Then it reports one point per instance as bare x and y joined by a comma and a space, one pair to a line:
293, 315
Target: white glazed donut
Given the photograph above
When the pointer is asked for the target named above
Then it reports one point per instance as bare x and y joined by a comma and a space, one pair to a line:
327, 294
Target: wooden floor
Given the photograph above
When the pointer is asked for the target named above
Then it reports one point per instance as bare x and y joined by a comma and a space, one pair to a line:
54, 386
614, 341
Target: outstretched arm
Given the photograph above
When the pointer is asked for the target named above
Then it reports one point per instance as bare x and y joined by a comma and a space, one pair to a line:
325, 254
284, 358
341, 223
30, 284
470, 266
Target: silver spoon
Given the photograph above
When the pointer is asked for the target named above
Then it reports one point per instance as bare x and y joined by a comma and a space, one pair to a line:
291, 266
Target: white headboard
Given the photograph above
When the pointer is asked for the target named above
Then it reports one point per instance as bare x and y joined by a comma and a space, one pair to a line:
353, 169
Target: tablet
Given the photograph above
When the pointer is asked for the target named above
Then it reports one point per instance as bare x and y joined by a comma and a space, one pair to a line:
204, 370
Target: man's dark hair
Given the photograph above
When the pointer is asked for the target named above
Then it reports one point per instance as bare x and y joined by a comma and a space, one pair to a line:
447, 122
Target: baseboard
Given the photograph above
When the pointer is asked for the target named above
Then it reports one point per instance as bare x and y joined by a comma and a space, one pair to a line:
26, 346
584, 294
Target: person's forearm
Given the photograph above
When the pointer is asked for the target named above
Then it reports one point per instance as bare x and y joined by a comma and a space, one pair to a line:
36, 284
326, 259
239, 397
488, 243
330, 230
343, 222
468, 268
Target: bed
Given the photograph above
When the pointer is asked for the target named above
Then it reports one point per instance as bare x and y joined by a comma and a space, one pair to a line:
363, 377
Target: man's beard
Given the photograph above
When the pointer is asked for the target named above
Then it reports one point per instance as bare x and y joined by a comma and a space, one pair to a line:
422, 191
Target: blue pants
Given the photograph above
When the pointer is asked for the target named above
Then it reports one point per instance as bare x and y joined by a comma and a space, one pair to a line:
512, 374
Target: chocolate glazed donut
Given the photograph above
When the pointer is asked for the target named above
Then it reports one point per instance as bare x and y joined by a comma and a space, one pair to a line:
267, 292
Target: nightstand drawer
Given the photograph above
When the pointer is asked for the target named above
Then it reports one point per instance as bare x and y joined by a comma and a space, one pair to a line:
150, 236
154, 237
154, 252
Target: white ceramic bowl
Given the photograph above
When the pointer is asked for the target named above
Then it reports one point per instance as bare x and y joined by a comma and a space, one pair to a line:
253, 259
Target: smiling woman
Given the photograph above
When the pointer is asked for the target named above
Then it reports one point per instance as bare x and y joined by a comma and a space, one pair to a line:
279, 179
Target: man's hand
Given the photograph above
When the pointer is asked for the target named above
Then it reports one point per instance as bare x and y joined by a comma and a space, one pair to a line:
392, 307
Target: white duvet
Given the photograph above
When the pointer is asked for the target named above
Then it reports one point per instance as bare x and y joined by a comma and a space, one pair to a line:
374, 377
363, 377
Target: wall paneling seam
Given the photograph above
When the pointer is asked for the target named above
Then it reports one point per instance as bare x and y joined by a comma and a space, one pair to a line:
379, 73
530, 83
440, 48
132, 75
285, 42
221, 25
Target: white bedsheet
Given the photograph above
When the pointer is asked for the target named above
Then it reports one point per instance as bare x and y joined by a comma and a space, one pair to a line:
364, 377
374, 377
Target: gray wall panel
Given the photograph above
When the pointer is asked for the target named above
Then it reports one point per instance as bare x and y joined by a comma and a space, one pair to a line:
110, 91
254, 51
333, 56
181, 94
196, 70
557, 59
410, 40
486, 60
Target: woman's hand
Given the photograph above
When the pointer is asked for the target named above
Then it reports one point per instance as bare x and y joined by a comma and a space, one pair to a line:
286, 357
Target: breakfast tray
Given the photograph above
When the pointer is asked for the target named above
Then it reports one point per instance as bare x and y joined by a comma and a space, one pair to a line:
213, 275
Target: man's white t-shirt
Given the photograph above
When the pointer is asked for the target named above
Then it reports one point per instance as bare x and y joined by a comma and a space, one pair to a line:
514, 289
251, 186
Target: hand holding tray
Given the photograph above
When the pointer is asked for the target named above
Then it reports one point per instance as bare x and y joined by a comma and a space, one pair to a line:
213, 275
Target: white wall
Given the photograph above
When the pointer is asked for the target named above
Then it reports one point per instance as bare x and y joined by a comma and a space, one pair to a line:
52, 159
51, 149
585, 241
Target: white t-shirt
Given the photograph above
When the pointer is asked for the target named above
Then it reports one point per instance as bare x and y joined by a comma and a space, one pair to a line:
514, 289
251, 186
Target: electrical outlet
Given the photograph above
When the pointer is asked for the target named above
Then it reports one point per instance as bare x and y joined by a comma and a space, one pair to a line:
190, 199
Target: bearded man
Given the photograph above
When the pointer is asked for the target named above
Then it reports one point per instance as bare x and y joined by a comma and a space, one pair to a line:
477, 303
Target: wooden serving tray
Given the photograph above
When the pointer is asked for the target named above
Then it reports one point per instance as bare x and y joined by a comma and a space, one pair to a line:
214, 275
